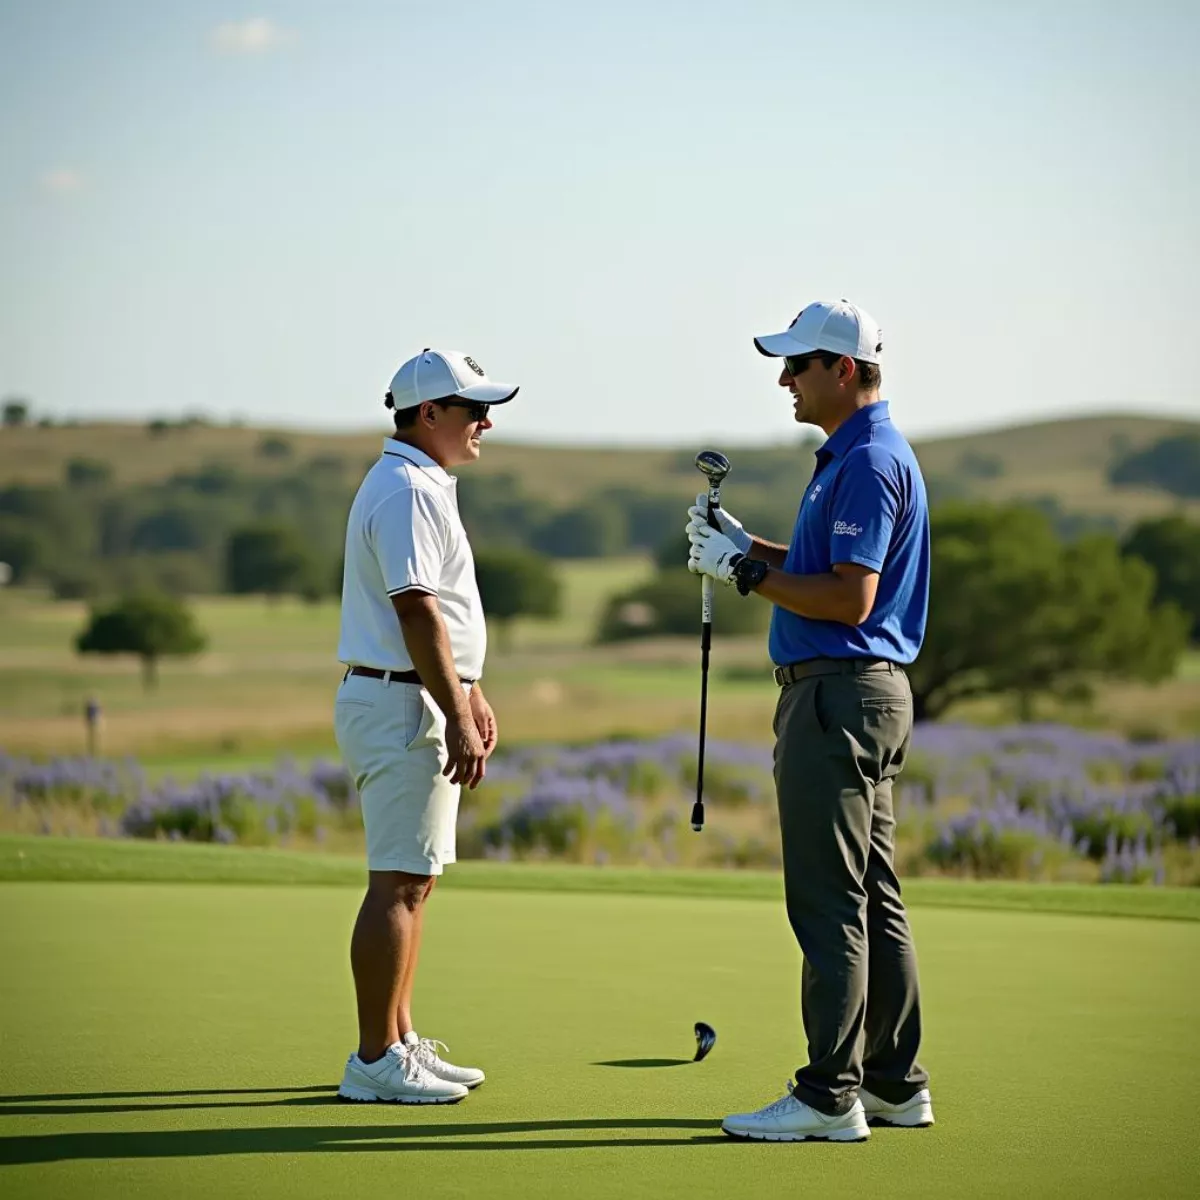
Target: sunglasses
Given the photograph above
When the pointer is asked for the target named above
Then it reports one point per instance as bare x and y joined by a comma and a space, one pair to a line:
797, 364
477, 410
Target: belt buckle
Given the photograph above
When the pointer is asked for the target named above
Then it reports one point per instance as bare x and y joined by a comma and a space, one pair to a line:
781, 679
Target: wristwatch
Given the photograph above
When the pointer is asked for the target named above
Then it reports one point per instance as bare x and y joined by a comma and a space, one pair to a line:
748, 573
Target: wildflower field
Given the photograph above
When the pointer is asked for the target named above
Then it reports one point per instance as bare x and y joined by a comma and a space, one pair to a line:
1028, 802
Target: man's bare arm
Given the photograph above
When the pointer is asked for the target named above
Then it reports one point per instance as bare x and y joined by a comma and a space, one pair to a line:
846, 594
428, 646
768, 552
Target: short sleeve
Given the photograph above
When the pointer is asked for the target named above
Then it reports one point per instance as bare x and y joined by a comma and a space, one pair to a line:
409, 537
864, 510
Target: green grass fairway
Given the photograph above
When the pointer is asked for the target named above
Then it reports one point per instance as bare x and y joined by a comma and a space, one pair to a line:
101, 860
184, 1040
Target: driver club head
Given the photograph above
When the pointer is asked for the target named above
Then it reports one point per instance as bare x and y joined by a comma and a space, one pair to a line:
706, 1039
713, 464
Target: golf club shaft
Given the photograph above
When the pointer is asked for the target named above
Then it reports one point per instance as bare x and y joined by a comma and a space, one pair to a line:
706, 617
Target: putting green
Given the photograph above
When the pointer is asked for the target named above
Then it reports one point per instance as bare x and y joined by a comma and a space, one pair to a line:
184, 1040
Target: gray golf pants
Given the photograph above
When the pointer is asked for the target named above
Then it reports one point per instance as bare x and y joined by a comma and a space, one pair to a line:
842, 734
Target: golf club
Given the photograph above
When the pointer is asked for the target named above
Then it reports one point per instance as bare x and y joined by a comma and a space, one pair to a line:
706, 1039
714, 467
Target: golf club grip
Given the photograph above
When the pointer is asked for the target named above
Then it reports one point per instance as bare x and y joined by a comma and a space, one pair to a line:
714, 502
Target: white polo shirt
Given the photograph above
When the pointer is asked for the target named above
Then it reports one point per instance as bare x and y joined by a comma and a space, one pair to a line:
405, 533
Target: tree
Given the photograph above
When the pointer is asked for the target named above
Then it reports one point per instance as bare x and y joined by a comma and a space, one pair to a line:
149, 626
496, 510
212, 479
649, 517
1016, 611
1171, 546
274, 447
172, 526
1171, 463
595, 530
980, 466
669, 604
267, 559
516, 583
24, 547
15, 413
87, 472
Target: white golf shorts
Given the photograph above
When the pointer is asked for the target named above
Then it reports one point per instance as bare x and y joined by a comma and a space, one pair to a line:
393, 741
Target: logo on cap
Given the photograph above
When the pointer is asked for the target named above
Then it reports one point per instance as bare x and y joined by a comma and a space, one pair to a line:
472, 364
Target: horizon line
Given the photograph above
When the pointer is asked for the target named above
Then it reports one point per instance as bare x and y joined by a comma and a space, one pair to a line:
534, 442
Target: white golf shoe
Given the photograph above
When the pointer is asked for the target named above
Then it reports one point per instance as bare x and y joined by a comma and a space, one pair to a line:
914, 1113
397, 1078
426, 1052
791, 1120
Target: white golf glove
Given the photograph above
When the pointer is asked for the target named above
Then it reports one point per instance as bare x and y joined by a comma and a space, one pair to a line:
731, 527
711, 553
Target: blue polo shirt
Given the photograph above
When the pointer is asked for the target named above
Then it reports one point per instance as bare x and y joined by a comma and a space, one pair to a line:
865, 504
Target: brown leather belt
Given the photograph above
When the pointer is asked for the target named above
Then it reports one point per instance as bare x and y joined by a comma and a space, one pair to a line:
794, 672
390, 676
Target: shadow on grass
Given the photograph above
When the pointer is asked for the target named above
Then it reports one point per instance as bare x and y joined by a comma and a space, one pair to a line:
644, 1062
203, 1143
70, 1103
45, 1097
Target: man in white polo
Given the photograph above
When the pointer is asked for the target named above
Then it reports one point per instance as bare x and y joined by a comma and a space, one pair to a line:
412, 723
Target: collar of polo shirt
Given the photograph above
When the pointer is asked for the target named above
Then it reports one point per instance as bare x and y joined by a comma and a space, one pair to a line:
847, 433
418, 458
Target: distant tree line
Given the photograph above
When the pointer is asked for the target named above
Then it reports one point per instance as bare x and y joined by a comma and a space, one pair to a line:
279, 529
89, 536
217, 529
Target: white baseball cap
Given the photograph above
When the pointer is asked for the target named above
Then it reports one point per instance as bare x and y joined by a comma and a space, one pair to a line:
834, 325
436, 374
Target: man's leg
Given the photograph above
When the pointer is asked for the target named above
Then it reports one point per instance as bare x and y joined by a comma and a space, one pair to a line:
825, 822
404, 1021
893, 1025
381, 944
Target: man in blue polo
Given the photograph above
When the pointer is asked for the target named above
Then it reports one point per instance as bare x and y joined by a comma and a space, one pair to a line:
850, 595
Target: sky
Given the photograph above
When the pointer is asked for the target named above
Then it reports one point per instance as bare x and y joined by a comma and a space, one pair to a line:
258, 214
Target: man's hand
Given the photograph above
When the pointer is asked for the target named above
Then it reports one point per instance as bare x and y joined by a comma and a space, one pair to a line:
711, 553
731, 527
485, 720
467, 761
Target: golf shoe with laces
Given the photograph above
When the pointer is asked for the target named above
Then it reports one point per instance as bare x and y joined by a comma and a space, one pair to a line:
914, 1113
426, 1053
397, 1078
791, 1120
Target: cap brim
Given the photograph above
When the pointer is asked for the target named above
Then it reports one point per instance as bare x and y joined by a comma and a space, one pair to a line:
777, 345
489, 393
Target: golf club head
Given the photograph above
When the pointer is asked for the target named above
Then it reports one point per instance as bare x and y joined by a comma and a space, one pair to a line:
706, 1039
713, 464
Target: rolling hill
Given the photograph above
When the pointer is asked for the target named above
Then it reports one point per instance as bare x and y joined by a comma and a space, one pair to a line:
1060, 462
